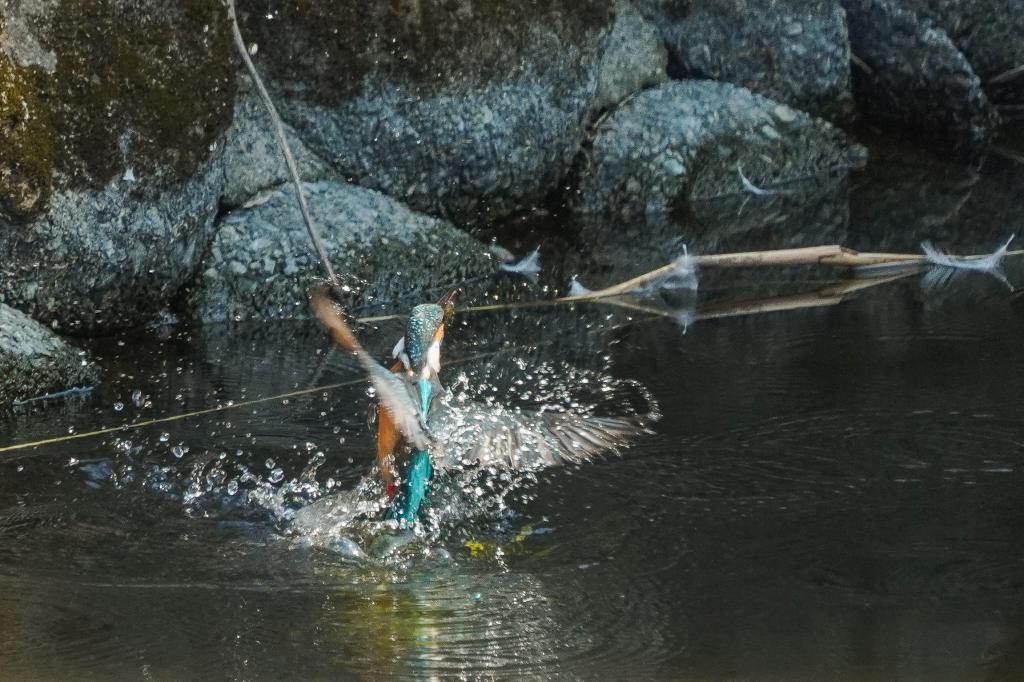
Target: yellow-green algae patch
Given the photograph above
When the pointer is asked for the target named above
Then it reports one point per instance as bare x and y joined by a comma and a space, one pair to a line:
148, 86
26, 143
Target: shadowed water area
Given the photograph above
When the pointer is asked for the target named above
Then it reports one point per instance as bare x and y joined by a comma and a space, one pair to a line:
832, 491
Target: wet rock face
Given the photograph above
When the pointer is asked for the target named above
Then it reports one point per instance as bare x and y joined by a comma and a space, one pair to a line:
261, 263
794, 51
913, 73
635, 58
251, 159
108, 85
454, 107
988, 32
690, 140
111, 111
34, 361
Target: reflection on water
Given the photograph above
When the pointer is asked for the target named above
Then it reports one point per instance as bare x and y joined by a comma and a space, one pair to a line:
833, 491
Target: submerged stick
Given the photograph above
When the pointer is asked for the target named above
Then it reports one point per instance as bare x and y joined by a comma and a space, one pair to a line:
282, 143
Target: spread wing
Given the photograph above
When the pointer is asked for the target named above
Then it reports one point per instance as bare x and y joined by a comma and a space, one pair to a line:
392, 392
479, 435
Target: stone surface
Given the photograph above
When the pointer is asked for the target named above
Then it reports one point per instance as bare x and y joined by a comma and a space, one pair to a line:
261, 263
35, 361
913, 74
635, 58
689, 140
456, 108
251, 159
113, 110
988, 32
794, 51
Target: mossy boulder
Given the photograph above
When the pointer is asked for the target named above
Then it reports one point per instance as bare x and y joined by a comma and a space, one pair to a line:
261, 264
35, 361
110, 116
794, 51
27, 152
694, 140
456, 107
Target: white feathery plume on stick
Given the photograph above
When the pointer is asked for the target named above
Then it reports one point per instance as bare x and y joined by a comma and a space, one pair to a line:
528, 266
988, 263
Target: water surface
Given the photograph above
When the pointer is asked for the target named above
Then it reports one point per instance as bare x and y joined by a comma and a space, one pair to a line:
832, 492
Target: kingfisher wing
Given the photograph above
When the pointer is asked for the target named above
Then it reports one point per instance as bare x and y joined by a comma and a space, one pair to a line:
392, 391
525, 440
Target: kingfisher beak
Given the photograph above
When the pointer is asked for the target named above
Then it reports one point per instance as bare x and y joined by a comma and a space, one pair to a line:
448, 305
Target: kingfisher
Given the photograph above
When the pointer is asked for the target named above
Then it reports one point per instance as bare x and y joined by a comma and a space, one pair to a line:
419, 430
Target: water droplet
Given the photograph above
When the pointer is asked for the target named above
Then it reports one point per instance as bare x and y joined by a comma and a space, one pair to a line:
137, 398
118, 406
270, 463
179, 451
276, 475
164, 437
232, 487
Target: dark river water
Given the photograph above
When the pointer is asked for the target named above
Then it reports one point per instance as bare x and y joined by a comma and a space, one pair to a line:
833, 490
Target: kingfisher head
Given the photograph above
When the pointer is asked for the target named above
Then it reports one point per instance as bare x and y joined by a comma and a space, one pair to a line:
419, 350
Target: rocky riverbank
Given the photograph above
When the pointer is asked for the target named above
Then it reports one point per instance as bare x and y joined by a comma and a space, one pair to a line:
138, 172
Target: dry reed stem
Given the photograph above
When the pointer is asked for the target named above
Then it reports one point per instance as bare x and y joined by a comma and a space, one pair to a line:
282, 143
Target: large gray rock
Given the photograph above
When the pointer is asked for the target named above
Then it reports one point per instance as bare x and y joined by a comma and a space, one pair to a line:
112, 113
794, 51
34, 361
692, 139
252, 161
454, 107
912, 73
261, 263
989, 32
634, 58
